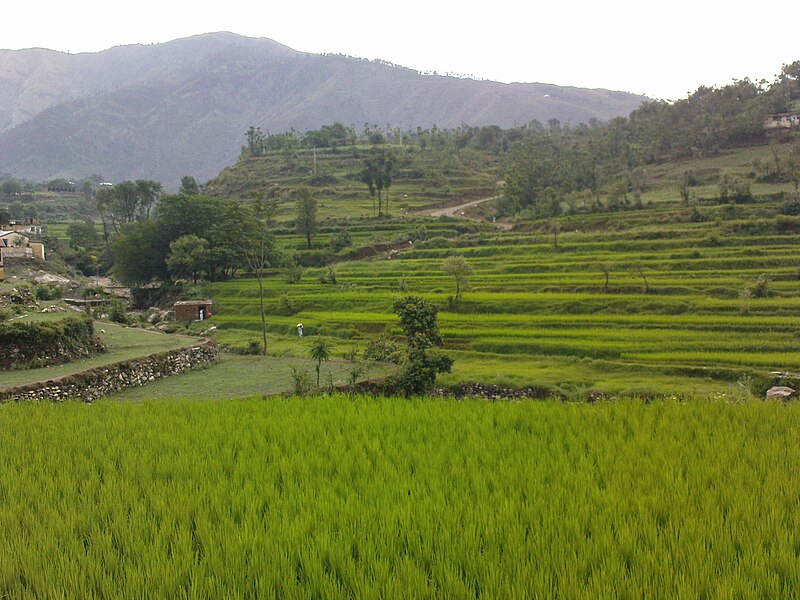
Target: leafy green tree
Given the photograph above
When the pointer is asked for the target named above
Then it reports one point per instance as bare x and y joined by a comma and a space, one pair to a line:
189, 186
368, 175
11, 188
148, 193
461, 271
306, 220
83, 234
188, 257
127, 202
320, 352
419, 367
378, 174
17, 210
140, 252
256, 141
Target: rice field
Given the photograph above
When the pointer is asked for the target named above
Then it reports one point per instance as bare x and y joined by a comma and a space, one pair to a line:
696, 306
353, 498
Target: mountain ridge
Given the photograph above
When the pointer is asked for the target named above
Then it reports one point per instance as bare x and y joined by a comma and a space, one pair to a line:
164, 110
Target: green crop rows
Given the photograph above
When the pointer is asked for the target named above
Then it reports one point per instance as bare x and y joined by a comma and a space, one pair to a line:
683, 311
336, 498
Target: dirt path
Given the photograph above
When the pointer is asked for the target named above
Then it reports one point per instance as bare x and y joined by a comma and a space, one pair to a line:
458, 211
455, 211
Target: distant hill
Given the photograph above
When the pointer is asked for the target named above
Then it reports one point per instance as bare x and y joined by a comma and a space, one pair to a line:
182, 107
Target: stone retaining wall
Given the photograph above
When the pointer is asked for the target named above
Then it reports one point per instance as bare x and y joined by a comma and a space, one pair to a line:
103, 381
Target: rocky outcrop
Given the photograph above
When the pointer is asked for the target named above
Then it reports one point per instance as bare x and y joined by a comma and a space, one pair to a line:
102, 381
780, 392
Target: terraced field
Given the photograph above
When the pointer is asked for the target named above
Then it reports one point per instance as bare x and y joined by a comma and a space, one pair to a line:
689, 307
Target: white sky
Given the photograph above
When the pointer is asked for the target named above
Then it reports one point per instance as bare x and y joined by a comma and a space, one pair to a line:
664, 50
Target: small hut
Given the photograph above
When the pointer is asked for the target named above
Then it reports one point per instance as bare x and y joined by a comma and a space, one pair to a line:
192, 310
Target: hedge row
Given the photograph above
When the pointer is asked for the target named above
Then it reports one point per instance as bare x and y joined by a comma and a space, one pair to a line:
39, 343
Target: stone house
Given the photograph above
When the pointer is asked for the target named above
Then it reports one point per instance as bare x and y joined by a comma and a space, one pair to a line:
788, 120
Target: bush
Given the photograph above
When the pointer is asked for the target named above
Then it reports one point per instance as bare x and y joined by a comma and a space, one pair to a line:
48, 291
760, 288
253, 348
287, 307
292, 271
340, 240
383, 349
38, 343
302, 381
118, 312
329, 277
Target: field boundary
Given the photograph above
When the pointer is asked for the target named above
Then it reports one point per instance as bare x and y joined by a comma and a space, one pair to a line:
102, 381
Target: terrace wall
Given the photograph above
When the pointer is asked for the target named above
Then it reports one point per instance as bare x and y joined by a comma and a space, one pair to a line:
102, 381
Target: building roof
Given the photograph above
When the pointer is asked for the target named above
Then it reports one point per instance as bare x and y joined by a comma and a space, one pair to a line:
193, 303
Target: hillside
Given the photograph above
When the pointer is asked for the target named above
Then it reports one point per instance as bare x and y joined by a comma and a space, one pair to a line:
165, 110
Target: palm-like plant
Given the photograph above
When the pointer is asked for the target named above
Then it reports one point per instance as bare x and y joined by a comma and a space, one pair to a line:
320, 352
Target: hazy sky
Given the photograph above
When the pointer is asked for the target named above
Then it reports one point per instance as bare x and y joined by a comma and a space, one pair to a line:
664, 50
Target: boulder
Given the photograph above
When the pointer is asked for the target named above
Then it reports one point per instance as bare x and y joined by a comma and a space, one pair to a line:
780, 392
51, 278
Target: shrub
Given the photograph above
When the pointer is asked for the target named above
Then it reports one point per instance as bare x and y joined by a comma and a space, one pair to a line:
301, 381
383, 349
28, 344
329, 277
287, 307
340, 240
118, 312
48, 291
292, 271
760, 287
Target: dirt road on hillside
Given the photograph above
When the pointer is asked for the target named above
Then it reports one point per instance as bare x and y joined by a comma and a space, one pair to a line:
455, 211
458, 211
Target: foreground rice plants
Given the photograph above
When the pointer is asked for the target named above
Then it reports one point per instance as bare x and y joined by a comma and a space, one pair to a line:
332, 497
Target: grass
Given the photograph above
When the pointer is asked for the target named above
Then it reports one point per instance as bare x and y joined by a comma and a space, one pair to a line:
338, 498
240, 376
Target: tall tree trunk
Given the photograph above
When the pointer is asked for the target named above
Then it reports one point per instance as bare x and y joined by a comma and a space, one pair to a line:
260, 276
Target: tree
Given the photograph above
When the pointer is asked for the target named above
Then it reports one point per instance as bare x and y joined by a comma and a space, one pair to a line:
640, 267
140, 253
368, 175
11, 188
686, 182
188, 257
256, 141
320, 352
128, 201
83, 235
189, 186
606, 270
419, 367
378, 174
148, 193
17, 210
461, 271
255, 242
306, 221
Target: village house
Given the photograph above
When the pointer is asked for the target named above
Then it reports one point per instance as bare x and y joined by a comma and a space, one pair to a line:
14, 245
788, 120
30, 227
192, 310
